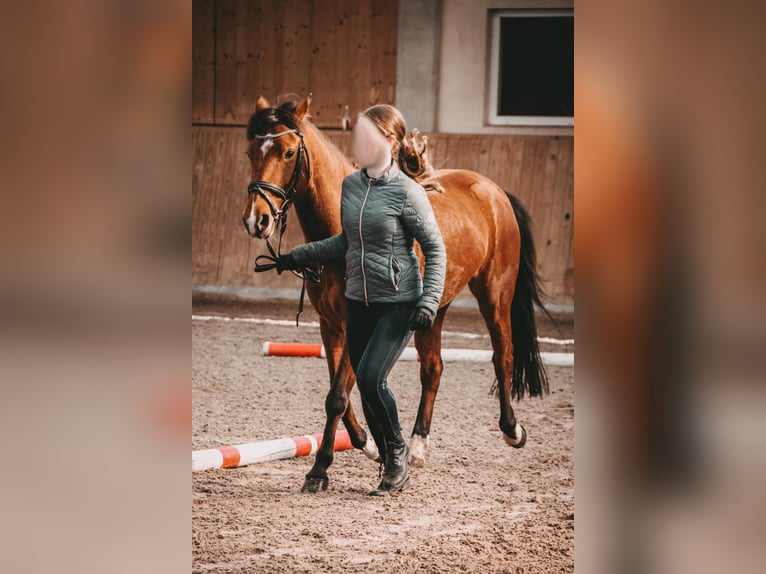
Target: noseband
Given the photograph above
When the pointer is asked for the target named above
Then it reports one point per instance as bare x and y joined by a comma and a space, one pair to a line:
266, 190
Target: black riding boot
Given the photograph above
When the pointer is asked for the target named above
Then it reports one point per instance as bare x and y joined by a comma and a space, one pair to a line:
396, 467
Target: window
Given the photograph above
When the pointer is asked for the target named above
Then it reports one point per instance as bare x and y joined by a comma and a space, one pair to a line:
531, 80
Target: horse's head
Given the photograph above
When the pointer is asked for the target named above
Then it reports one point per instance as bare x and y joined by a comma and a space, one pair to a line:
279, 163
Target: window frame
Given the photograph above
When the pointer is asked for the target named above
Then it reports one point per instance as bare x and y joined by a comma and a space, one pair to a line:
493, 118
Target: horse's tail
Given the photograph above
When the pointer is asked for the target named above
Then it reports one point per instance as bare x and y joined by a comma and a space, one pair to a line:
528, 372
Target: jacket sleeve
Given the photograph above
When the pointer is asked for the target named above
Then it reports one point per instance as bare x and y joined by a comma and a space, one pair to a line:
418, 217
322, 250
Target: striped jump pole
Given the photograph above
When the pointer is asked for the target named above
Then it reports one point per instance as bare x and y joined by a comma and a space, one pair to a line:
264, 451
411, 354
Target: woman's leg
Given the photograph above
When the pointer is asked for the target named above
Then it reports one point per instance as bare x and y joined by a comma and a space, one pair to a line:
386, 343
360, 324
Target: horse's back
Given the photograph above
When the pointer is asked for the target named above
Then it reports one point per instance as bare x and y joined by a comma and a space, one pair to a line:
481, 198
476, 219
460, 183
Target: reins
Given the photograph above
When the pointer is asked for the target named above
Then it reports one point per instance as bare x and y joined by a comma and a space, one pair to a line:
287, 195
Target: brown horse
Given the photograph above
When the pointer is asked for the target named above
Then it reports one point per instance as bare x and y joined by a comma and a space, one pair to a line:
489, 248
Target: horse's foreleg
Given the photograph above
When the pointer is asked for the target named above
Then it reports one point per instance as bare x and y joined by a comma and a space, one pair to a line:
429, 345
335, 404
338, 362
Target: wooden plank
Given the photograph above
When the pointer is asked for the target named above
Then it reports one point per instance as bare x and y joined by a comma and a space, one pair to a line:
226, 88
297, 62
246, 56
203, 60
361, 69
564, 185
384, 26
329, 79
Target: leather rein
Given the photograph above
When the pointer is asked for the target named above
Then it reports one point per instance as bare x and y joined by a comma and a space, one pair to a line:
267, 190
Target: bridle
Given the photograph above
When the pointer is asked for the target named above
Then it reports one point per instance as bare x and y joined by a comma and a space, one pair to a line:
286, 194
267, 190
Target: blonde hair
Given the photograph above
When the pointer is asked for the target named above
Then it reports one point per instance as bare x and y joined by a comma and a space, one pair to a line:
409, 150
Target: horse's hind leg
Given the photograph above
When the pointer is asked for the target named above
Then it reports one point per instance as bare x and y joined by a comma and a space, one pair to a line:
429, 346
495, 306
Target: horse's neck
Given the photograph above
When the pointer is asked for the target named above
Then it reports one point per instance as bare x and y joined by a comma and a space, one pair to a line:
316, 214
318, 206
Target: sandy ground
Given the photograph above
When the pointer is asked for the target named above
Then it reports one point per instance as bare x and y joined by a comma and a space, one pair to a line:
477, 506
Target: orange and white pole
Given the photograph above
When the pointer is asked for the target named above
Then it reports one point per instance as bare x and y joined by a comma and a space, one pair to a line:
264, 451
411, 354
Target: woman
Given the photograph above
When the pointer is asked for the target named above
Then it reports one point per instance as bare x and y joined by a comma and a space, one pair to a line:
383, 211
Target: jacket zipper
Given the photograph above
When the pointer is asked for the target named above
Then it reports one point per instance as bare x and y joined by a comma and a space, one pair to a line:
361, 240
394, 259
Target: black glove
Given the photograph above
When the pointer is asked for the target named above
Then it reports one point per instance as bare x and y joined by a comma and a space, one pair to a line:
421, 320
286, 262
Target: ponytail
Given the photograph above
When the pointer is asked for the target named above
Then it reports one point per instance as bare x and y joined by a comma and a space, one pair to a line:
411, 149
413, 155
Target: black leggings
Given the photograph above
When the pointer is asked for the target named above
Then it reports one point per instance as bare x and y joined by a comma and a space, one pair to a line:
376, 337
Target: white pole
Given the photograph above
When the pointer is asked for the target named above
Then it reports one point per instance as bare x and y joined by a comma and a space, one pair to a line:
411, 354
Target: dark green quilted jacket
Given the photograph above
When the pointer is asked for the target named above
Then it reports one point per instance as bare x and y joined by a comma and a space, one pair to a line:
381, 217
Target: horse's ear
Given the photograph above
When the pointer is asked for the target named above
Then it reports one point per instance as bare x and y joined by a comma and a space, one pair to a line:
261, 104
302, 109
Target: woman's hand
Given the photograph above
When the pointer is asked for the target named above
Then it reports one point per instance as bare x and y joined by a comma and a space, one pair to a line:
421, 320
286, 262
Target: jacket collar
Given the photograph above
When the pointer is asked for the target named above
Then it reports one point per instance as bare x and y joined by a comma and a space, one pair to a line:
389, 175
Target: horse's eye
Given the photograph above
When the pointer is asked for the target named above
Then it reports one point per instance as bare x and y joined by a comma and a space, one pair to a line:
290, 153
247, 153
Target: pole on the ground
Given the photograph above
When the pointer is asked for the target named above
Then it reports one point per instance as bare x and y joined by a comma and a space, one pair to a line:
263, 451
410, 354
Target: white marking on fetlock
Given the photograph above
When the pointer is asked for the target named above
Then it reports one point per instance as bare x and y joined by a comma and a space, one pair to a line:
370, 449
518, 431
419, 447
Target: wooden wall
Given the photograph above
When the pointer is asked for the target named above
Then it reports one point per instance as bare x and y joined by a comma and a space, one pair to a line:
343, 51
537, 169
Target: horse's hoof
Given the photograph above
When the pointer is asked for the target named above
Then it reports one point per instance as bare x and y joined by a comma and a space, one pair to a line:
417, 462
314, 484
370, 449
419, 447
521, 439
